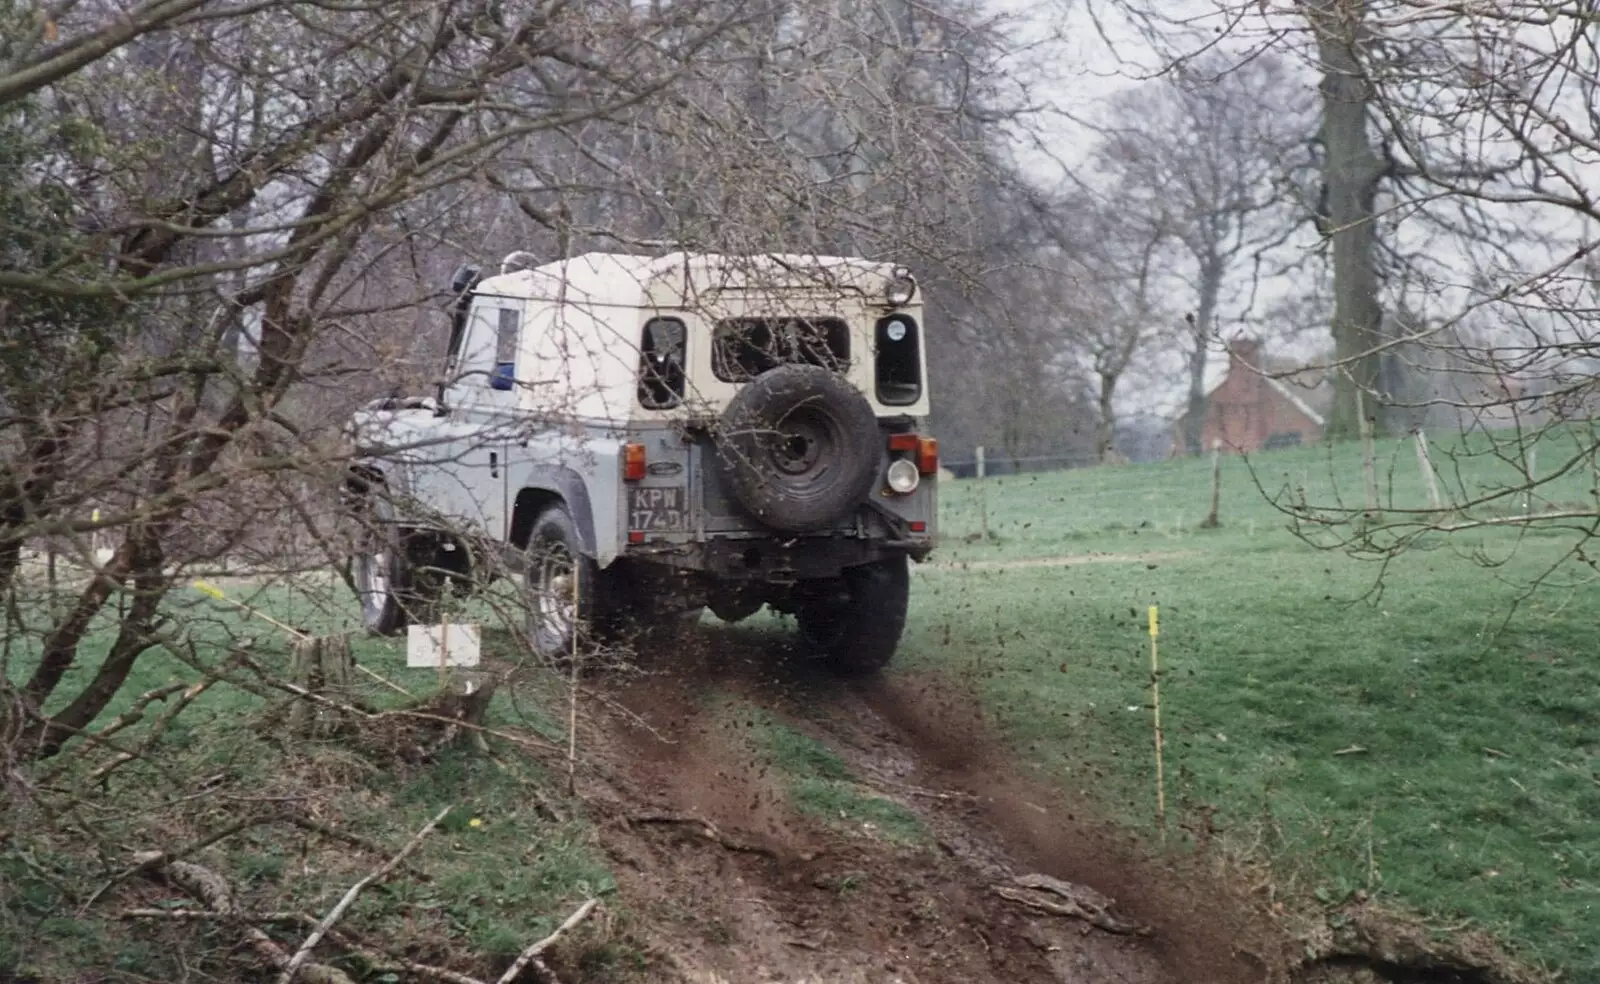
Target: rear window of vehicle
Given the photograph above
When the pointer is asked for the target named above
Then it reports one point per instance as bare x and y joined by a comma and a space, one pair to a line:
661, 363
743, 348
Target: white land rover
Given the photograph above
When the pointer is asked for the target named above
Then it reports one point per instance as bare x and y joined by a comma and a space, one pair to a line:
641, 437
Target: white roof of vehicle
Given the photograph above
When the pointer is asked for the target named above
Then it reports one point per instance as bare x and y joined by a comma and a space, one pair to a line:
626, 279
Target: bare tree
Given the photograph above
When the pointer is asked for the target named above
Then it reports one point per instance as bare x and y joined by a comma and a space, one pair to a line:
1206, 152
1455, 158
225, 227
1108, 284
190, 197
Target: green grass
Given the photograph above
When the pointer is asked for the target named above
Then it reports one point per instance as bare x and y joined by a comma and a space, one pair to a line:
494, 876
821, 784
1416, 745
1160, 505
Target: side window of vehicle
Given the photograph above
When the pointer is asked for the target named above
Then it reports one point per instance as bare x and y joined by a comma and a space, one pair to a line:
661, 363
508, 335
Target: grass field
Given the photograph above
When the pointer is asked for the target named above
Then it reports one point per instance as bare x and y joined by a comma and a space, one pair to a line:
500, 871
1436, 745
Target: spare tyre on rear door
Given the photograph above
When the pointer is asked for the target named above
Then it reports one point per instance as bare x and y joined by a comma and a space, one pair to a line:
798, 448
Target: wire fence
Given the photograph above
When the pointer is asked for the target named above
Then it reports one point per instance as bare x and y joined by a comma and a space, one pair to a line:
994, 465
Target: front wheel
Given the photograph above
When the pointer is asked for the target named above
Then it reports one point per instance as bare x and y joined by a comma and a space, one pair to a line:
854, 625
393, 593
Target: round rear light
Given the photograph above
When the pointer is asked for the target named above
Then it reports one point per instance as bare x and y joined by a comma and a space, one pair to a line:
903, 477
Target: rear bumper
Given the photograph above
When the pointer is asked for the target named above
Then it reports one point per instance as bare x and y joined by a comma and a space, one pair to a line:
772, 559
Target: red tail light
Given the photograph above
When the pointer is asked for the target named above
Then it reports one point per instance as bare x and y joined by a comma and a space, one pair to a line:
927, 455
632, 461
903, 442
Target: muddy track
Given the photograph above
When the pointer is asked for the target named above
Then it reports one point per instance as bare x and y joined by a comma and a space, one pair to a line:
732, 884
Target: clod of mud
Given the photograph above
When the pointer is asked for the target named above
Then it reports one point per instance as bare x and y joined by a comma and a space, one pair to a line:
1059, 898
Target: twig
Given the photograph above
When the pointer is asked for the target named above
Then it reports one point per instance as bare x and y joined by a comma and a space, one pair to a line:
157, 729
216, 593
93, 738
211, 915
1579, 770
885, 785
151, 860
706, 829
531, 954
301, 692
338, 911
383, 680
1352, 750
381, 962
333, 833
572, 697
133, 715
211, 889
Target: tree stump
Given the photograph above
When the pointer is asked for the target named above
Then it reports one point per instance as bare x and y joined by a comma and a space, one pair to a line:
465, 699
323, 666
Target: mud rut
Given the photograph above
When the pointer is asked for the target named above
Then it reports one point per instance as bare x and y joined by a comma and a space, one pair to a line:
733, 885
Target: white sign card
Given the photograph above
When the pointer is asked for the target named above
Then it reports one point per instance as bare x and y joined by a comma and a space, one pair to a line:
449, 644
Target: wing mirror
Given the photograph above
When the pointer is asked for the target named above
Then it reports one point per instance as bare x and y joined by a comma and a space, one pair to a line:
465, 278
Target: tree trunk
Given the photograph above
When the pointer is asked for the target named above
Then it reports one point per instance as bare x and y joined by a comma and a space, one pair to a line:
145, 561
1194, 421
1352, 171
1105, 437
321, 665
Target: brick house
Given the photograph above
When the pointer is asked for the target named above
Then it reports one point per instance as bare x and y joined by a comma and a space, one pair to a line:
1248, 411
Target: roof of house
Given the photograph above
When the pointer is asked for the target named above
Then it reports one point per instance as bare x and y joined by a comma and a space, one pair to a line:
1294, 398
1281, 388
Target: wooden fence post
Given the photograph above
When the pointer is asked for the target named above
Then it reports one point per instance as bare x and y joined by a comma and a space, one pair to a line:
1594, 468
983, 495
1212, 521
1530, 457
1425, 463
1369, 468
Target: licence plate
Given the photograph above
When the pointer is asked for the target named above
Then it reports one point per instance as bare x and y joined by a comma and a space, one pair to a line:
657, 509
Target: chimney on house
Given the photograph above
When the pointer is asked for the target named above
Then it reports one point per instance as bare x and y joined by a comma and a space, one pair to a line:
1246, 349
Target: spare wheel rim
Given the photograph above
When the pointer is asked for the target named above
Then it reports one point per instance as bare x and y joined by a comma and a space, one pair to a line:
803, 451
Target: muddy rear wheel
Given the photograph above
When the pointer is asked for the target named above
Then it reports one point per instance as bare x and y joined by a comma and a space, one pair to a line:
573, 605
853, 625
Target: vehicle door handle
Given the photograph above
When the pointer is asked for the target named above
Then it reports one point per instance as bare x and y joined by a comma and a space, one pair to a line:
494, 464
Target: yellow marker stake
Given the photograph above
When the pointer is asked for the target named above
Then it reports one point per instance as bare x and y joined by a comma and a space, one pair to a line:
211, 590
1155, 692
